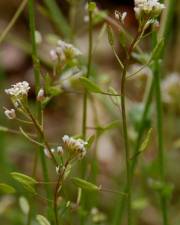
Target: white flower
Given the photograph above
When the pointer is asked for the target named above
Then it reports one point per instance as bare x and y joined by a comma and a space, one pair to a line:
140, 2
150, 8
124, 14
68, 49
75, 146
10, 113
18, 89
117, 15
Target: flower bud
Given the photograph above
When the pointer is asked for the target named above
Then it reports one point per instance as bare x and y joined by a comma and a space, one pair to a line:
10, 114
53, 55
60, 150
40, 95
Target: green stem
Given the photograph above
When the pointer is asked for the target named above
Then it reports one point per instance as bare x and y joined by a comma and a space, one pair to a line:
164, 32
87, 75
85, 98
124, 122
31, 7
126, 145
159, 121
57, 190
121, 204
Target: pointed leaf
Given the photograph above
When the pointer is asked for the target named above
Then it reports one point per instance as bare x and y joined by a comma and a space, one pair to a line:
90, 141
26, 181
90, 85
146, 141
22, 178
42, 220
6, 189
85, 184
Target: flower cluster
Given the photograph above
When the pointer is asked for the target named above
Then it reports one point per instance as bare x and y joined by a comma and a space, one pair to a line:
147, 9
18, 93
19, 89
76, 147
64, 51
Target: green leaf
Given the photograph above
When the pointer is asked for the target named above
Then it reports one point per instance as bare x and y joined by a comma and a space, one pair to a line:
122, 39
22, 178
90, 85
85, 184
6, 189
110, 35
144, 144
26, 181
146, 141
90, 141
42, 220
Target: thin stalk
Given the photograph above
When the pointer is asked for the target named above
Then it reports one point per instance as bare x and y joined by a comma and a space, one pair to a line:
164, 32
87, 75
126, 145
57, 190
159, 113
160, 138
13, 20
124, 122
117, 219
31, 7
85, 99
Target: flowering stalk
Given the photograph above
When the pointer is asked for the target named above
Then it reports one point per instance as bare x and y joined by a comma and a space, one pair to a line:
76, 150
124, 119
146, 13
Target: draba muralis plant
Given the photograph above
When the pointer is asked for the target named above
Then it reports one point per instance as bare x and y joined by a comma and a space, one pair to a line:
64, 57
146, 12
62, 156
